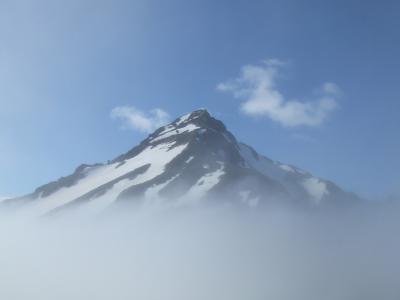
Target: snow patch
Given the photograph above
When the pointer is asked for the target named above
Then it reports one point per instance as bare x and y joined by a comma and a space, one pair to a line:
264, 166
202, 186
173, 132
183, 119
97, 205
152, 192
189, 159
152, 196
167, 128
287, 168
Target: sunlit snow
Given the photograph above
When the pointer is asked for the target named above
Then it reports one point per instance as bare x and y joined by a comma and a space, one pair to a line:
157, 156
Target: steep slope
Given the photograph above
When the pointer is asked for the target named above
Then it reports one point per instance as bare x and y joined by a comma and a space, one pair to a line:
195, 159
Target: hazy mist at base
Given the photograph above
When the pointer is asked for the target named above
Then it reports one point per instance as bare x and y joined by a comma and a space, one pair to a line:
205, 253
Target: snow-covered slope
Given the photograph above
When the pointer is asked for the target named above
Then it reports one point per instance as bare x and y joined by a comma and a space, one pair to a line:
193, 160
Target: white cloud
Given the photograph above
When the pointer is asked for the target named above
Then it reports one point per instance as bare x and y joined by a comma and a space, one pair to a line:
330, 88
136, 119
256, 85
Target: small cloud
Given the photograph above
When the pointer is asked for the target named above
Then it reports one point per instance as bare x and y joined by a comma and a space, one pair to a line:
330, 88
135, 119
256, 86
273, 62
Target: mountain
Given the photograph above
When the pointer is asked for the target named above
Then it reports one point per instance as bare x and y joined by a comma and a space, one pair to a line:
192, 160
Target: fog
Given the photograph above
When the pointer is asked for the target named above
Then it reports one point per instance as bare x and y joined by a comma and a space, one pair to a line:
207, 253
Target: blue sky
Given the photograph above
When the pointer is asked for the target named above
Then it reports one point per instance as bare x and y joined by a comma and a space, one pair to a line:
311, 83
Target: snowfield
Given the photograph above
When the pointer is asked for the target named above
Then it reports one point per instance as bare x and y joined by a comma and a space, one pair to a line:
157, 157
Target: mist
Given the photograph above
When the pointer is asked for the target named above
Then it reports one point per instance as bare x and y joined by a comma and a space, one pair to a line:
204, 253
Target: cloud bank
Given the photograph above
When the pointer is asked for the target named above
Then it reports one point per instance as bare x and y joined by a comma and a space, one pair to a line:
135, 119
256, 86
204, 254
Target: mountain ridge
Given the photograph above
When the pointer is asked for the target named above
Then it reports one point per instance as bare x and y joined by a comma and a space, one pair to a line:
192, 160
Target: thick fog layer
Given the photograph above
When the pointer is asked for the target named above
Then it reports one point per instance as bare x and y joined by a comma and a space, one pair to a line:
205, 254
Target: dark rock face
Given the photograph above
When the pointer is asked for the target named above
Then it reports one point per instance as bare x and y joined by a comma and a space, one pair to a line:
194, 159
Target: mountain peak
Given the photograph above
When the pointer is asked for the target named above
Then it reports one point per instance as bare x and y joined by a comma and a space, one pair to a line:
198, 113
191, 127
201, 116
203, 119
199, 120
192, 159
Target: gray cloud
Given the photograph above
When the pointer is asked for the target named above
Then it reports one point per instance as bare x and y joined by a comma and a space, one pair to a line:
204, 254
